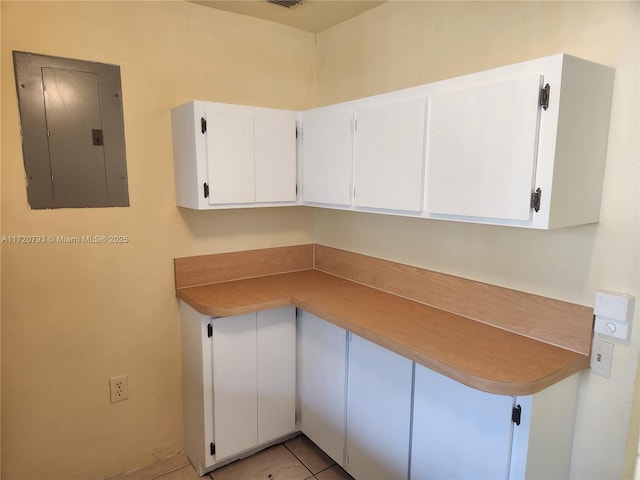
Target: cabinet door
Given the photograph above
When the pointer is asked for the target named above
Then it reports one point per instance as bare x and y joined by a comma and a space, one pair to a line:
322, 384
230, 157
543, 441
197, 388
235, 398
389, 156
276, 373
378, 412
481, 149
327, 146
275, 156
458, 432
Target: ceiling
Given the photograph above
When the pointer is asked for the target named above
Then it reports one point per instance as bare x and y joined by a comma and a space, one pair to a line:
312, 15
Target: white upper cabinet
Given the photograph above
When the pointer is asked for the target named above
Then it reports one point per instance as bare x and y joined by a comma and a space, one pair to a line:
482, 149
275, 156
389, 156
327, 149
230, 158
233, 155
523, 145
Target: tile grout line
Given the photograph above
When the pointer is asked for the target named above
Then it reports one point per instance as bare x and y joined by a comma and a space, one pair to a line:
325, 469
299, 460
171, 471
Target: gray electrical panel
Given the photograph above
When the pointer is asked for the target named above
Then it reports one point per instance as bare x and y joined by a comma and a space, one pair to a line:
72, 132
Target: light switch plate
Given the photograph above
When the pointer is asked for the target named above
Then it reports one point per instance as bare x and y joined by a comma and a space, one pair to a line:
601, 358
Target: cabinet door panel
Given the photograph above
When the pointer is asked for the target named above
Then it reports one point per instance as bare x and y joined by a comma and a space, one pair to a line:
481, 149
378, 412
276, 373
235, 399
230, 158
327, 145
458, 432
389, 156
197, 387
275, 156
322, 364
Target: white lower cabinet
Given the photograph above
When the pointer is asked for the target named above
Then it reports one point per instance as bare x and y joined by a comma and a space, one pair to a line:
235, 392
374, 412
543, 441
238, 382
322, 364
460, 432
276, 338
354, 400
378, 412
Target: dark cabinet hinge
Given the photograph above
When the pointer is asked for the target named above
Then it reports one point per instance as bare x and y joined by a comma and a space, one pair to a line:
544, 97
535, 199
297, 132
206, 190
516, 414
203, 125
209, 330
212, 448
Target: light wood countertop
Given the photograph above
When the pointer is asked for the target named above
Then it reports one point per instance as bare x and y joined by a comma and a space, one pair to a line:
474, 353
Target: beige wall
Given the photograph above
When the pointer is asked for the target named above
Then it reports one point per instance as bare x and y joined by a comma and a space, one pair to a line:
401, 44
73, 315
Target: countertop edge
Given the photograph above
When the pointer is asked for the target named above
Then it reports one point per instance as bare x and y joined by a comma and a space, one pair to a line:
577, 363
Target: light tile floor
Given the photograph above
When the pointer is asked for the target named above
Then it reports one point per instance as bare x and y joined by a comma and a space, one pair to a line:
296, 459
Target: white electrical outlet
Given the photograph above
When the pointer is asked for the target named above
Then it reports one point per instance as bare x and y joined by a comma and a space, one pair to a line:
119, 387
601, 358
